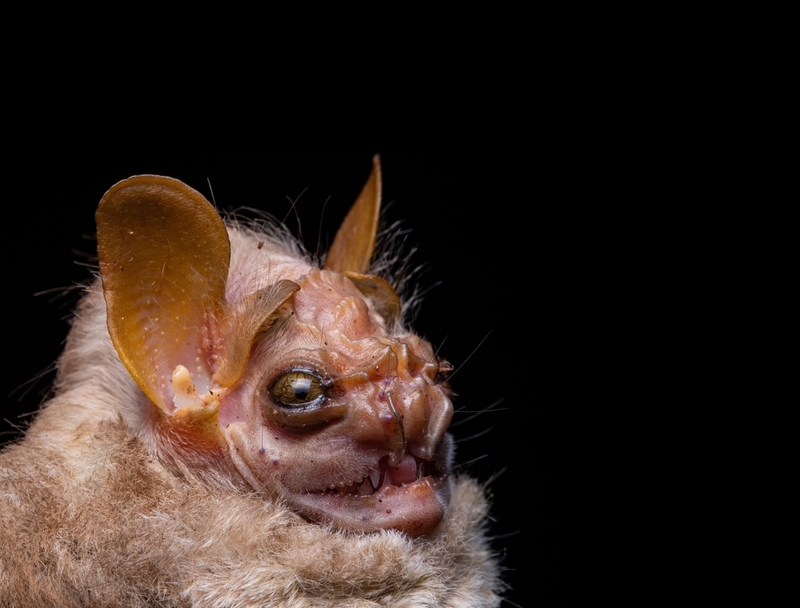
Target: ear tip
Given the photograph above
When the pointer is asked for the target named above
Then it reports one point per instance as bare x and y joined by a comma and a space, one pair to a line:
143, 179
147, 180
125, 189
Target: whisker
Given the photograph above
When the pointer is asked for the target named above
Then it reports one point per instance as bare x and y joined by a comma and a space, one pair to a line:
469, 462
15, 433
90, 255
496, 475
293, 209
92, 265
475, 436
438, 348
479, 412
32, 382
507, 535
211, 190
319, 232
461, 410
58, 290
470, 355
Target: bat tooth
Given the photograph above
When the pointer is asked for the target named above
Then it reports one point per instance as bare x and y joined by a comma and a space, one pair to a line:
375, 478
365, 489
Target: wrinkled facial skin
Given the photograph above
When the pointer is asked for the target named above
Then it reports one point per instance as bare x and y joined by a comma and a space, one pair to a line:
341, 419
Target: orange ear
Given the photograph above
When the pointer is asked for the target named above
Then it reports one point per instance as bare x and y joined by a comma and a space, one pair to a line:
164, 255
352, 247
351, 251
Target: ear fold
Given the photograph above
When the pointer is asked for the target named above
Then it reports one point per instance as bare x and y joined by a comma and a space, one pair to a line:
243, 322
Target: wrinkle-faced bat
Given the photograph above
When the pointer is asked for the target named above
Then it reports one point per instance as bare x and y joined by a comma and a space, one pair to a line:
235, 424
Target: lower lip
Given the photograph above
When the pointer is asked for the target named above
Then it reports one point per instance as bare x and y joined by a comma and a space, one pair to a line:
415, 508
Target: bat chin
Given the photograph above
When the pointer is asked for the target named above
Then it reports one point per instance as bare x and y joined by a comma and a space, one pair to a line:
411, 497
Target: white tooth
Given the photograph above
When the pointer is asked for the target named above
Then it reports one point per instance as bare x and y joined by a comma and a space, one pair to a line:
387, 478
375, 478
365, 489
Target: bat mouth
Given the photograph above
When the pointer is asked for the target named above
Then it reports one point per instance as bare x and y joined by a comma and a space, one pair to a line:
384, 477
411, 497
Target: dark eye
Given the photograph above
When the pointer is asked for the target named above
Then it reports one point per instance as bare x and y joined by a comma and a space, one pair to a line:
297, 388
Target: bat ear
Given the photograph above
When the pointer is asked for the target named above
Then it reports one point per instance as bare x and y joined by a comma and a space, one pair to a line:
355, 240
164, 255
354, 243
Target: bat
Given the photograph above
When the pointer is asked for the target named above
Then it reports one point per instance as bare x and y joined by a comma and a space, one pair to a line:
237, 423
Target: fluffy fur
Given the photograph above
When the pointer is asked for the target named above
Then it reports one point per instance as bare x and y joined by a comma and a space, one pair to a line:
93, 514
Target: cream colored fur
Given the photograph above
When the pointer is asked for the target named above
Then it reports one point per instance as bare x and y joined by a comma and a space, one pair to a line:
92, 515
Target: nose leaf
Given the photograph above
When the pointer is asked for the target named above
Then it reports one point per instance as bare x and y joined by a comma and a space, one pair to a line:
408, 412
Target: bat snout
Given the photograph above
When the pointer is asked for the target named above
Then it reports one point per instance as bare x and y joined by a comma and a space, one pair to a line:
400, 413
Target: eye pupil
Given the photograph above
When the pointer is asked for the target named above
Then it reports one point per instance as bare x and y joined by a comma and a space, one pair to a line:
297, 388
301, 388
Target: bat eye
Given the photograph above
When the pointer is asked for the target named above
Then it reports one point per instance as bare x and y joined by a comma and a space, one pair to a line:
297, 388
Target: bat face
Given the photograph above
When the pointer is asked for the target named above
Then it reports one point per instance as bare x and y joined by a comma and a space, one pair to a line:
341, 418
299, 381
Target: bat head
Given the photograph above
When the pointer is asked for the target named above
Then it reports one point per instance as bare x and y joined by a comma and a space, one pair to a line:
298, 380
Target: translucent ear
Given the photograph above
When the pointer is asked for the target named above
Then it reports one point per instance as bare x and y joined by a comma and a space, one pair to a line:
355, 240
351, 251
164, 255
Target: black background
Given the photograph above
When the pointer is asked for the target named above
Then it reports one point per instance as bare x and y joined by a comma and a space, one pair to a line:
483, 230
